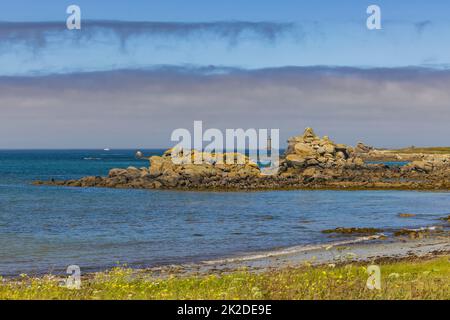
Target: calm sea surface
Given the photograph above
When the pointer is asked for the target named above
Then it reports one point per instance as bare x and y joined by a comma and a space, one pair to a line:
45, 229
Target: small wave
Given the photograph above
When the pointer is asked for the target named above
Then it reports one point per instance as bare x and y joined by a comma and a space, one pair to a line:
431, 228
292, 250
90, 158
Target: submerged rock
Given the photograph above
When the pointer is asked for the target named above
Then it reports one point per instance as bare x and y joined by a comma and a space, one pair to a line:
359, 231
417, 233
406, 215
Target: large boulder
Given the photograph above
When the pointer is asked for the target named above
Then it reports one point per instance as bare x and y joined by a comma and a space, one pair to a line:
304, 149
295, 160
116, 172
363, 148
420, 166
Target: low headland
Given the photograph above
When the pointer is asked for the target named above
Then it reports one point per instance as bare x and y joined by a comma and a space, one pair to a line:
310, 162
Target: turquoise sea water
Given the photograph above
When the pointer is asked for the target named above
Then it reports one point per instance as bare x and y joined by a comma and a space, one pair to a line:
45, 229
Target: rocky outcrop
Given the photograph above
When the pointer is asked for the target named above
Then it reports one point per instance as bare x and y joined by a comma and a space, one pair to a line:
429, 163
164, 173
309, 154
212, 169
309, 162
433, 154
363, 148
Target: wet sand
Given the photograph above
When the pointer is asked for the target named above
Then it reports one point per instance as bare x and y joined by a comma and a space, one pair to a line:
371, 249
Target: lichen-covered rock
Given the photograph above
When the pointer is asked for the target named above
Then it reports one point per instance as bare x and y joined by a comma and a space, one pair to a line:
183, 171
363, 148
309, 150
421, 166
429, 163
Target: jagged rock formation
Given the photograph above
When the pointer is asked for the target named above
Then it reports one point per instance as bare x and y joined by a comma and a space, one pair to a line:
429, 164
213, 168
309, 150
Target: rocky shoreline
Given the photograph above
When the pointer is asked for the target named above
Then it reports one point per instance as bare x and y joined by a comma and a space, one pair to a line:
310, 162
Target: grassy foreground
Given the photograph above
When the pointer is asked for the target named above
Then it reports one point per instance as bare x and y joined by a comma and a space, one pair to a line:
426, 279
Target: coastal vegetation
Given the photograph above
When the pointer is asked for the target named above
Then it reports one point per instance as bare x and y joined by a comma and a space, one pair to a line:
411, 278
425, 150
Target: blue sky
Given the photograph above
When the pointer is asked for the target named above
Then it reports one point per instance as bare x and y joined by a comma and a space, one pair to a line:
322, 33
206, 10
263, 64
